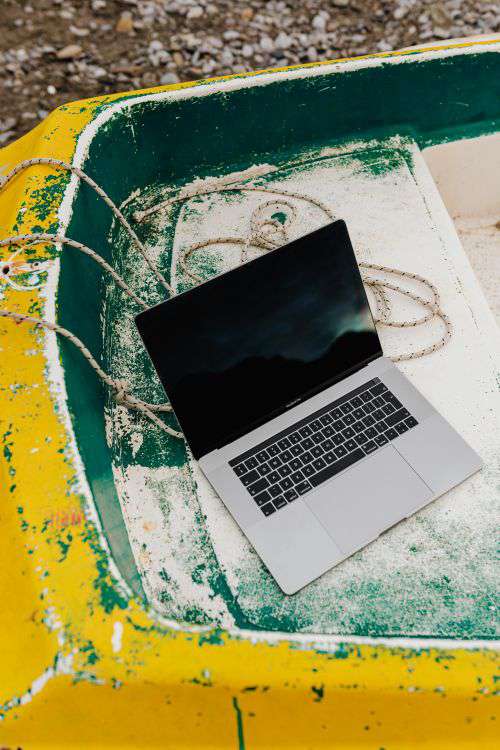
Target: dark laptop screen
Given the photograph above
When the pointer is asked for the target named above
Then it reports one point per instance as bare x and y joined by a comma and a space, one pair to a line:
240, 348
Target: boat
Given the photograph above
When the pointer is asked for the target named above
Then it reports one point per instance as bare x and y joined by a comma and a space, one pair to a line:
134, 611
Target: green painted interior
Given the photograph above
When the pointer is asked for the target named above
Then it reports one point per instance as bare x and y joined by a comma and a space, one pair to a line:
161, 142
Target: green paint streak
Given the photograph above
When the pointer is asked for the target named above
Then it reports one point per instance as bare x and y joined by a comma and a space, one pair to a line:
319, 693
214, 638
239, 724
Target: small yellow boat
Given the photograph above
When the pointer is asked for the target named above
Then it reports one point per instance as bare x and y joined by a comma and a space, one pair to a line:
134, 613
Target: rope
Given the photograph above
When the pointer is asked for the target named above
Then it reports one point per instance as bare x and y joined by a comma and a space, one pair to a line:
105, 197
119, 387
266, 234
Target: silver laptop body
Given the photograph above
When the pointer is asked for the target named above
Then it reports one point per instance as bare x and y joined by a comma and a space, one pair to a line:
376, 451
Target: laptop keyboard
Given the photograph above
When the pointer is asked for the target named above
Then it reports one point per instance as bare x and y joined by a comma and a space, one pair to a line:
295, 461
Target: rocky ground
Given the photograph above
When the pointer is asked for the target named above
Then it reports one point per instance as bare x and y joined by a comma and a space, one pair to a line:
54, 51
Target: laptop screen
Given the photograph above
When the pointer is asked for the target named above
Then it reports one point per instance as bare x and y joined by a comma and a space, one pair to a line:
248, 344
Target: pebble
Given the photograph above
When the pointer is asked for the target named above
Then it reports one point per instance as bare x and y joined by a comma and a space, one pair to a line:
125, 23
69, 52
169, 78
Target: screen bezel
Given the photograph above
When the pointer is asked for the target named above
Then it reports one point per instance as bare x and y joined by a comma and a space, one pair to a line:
336, 232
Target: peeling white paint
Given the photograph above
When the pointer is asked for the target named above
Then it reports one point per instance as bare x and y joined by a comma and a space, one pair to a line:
116, 638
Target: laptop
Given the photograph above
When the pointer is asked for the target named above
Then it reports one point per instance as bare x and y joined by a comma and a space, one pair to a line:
315, 442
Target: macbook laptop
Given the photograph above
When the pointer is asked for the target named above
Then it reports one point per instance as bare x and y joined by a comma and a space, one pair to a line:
315, 442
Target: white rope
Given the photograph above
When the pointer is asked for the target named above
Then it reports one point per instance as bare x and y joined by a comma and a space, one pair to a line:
267, 241
40, 237
120, 387
266, 234
4, 180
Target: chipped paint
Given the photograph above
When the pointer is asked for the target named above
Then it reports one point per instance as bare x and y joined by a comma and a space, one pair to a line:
67, 593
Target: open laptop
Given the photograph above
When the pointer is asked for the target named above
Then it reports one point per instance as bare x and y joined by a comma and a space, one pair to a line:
315, 442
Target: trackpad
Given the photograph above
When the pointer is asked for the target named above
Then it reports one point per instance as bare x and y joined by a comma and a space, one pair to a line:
359, 504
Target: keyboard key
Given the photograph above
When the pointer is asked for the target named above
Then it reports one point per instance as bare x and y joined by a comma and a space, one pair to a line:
391, 433
258, 486
295, 464
305, 431
348, 432
358, 413
329, 457
411, 422
297, 477
378, 414
366, 396
317, 451
358, 427
381, 427
296, 450
401, 427
334, 468
336, 413
378, 389
275, 490
262, 497
338, 425
283, 444
381, 440
369, 407
398, 416
327, 444
361, 438
388, 409
315, 425
370, 432
351, 445
307, 470
340, 451
318, 438
274, 462
319, 464
279, 502
273, 477
303, 487
306, 458
240, 469
252, 476
356, 402
368, 421
326, 419
338, 439
294, 438
286, 456
379, 401
251, 463
268, 509
307, 443
286, 484
370, 446
391, 399
262, 456
273, 450
264, 469
328, 431
346, 408
284, 470
290, 495
349, 419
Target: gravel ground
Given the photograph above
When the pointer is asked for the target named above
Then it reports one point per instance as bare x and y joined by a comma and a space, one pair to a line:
54, 51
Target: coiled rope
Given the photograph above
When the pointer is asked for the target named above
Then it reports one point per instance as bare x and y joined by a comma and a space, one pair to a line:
266, 233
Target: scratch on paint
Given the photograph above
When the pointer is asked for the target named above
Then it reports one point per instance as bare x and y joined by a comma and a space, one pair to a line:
239, 724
